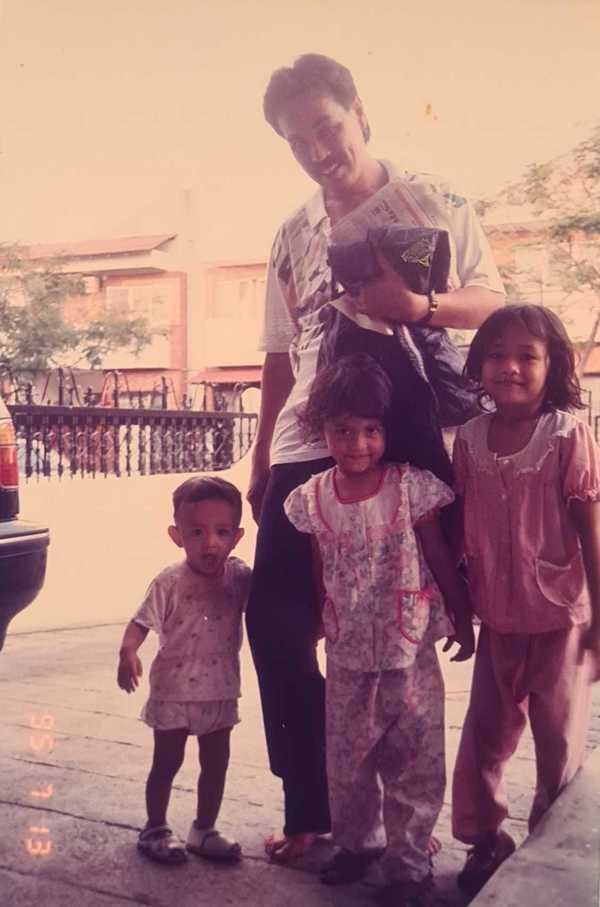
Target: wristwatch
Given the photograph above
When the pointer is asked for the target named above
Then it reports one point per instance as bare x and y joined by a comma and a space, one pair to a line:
433, 307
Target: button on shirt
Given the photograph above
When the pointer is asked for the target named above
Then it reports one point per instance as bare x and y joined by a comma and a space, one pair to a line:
526, 570
199, 624
382, 600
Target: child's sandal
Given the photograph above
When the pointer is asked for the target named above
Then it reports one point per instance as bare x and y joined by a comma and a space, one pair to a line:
162, 846
212, 845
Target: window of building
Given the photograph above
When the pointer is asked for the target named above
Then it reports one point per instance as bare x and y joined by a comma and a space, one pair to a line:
242, 298
148, 300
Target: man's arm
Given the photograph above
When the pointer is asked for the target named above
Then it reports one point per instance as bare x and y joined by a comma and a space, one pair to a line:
389, 298
277, 382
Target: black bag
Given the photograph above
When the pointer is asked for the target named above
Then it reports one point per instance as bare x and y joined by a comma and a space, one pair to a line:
413, 432
421, 255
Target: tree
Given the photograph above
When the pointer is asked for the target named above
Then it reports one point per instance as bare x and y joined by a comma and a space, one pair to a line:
564, 194
34, 333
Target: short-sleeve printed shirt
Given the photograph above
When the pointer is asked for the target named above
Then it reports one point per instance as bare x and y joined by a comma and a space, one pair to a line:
199, 624
382, 601
299, 285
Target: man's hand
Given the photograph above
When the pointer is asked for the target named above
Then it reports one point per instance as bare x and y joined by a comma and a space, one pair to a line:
388, 297
130, 670
259, 476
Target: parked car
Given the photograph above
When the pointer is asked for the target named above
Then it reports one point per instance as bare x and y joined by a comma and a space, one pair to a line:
23, 545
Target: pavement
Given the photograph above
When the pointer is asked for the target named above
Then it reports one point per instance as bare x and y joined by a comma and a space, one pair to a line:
75, 757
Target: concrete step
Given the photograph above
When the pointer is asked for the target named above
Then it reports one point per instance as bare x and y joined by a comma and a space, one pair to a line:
558, 865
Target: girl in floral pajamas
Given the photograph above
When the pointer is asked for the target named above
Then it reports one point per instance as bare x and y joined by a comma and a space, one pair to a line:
384, 566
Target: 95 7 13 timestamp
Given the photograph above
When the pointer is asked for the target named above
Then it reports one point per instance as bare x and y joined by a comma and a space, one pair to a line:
38, 842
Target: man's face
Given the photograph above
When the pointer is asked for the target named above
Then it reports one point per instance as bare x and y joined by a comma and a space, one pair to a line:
327, 140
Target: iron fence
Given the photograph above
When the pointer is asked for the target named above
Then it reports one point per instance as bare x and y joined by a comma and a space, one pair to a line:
89, 440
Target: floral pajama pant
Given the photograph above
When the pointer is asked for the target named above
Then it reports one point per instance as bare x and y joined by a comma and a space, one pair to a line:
385, 761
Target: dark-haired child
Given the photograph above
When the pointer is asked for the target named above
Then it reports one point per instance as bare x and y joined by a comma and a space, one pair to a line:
529, 477
196, 608
384, 567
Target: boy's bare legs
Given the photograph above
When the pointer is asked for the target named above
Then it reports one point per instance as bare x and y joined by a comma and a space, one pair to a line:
169, 750
214, 759
204, 839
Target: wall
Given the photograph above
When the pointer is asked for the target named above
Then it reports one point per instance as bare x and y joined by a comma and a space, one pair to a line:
108, 539
160, 297
226, 316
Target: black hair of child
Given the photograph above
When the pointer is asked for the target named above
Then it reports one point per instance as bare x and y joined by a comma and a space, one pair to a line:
562, 386
354, 385
208, 488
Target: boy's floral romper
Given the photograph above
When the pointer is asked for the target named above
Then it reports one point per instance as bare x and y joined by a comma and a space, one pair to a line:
385, 696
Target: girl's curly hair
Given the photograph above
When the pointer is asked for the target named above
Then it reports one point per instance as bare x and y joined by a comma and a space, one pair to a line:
355, 385
562, 385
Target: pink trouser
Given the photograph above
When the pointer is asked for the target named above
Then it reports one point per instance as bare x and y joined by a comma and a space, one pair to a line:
385, 761
540, 675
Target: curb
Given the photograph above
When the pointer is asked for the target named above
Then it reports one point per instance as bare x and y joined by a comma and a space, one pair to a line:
559, 863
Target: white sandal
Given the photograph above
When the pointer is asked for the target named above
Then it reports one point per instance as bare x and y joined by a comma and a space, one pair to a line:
161, 845
212, 845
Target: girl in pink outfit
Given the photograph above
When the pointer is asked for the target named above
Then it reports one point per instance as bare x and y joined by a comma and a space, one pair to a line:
384, 564
528, 475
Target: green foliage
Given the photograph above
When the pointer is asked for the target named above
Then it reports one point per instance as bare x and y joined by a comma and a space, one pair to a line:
34, 334
567, 189
564, 196
584, 222
510, 280
536, 185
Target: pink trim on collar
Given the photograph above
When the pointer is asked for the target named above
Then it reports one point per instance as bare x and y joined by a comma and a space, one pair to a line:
358, 500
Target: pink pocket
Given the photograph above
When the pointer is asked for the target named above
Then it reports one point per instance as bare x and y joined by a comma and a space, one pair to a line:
413, 613
561, 584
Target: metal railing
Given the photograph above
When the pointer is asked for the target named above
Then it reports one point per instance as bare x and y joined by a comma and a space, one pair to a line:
89, 441
64, 431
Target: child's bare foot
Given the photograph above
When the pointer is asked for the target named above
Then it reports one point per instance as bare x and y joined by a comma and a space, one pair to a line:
433, 847
283, 848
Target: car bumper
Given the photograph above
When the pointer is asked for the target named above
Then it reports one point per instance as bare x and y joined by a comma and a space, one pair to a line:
23, 553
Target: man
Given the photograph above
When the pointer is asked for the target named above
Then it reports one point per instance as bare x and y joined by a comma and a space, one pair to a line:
315, 108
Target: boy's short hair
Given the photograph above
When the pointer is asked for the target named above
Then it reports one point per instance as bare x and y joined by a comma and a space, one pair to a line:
208, 488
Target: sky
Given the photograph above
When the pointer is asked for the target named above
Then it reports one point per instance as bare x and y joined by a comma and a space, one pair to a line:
145, 116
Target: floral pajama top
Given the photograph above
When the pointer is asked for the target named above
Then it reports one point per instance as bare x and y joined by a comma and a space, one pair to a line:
382, 601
